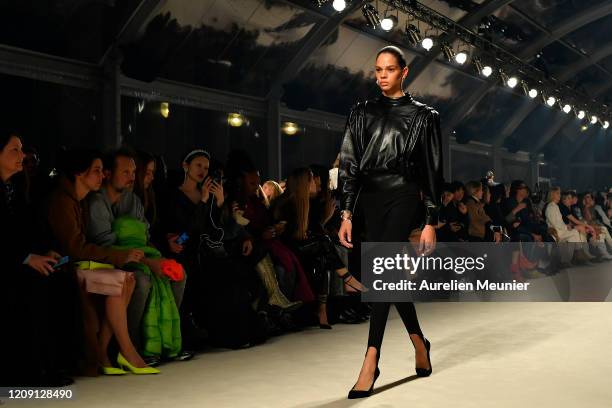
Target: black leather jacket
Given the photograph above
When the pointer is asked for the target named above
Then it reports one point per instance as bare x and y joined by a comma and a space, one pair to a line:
389, 142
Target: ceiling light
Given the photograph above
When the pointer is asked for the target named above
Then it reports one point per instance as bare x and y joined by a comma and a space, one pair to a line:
339, 5
235, 120
388, 23
593, 120
581, 114
567, 108
533, 93
164, 109
583, 128
551, 101
512, 82
487, 71
427, 43
606, 124
290, 128
461, 57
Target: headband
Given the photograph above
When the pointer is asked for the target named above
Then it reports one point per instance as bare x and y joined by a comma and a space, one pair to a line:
196, 152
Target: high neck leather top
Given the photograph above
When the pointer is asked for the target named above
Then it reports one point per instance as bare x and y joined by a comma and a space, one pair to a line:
402, 100
390, 142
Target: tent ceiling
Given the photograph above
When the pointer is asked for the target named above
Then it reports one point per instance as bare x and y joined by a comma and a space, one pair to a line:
244, 45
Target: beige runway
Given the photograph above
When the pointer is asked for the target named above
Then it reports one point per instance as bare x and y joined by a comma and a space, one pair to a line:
483, 355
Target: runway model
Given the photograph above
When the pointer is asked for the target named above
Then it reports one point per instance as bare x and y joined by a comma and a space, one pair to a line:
391, 163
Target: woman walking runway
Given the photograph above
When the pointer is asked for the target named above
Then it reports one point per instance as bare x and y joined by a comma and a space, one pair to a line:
391, 162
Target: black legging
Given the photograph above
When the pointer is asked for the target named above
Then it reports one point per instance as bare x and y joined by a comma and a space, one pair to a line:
390, 215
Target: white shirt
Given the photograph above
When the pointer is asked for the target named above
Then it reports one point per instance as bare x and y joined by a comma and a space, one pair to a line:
554, 218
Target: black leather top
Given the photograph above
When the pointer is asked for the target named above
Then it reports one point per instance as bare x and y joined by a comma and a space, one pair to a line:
389, 142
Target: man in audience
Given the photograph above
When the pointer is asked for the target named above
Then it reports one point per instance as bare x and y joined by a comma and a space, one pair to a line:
116, 199
456, 215
521, 216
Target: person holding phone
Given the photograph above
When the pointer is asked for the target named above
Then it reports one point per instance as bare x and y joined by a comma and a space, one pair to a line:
38, 297
216, 292
391, 158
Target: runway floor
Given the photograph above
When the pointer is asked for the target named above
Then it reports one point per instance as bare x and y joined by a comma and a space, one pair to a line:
483, 355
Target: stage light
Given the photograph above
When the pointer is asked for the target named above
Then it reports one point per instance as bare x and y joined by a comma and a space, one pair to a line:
371, 15
388, 23
339, 5
512, 82
235, 120
551, 101
487, 71
606, 124
593, 120
413, 34
164, 109
290, 128
581, 114
448, 52
567, 108
427, 43
533, 93
461, 57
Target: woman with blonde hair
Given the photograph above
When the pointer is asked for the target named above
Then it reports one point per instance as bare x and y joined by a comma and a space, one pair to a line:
271, 191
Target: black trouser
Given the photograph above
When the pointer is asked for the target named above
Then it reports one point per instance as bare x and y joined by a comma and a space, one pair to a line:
390, 216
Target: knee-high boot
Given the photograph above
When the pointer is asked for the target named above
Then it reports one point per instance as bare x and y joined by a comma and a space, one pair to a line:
265, 269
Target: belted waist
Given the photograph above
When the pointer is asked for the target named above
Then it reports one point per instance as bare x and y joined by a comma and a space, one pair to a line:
378, 182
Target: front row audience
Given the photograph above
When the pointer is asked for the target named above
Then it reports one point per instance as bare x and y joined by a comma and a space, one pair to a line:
95, 255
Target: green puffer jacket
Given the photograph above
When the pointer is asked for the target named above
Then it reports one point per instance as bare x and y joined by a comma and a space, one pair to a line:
161, 326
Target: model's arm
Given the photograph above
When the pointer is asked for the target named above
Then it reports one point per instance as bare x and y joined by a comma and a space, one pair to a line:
350, 160
432, 172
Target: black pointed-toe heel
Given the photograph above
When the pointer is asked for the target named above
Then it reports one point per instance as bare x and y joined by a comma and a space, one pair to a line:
355, 394
422, 372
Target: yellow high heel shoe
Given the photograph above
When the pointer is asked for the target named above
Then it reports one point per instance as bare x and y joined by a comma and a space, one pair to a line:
112, 371
123, 363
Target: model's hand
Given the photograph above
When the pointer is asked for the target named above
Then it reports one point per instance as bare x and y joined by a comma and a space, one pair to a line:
346, 234
427, 243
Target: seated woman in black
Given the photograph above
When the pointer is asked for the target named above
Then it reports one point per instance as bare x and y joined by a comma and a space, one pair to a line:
316, 252
217, 292
41, 302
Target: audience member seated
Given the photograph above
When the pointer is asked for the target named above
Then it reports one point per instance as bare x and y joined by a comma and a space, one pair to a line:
565, 233
481, 227
456, 216
82, 173
38, 300
316, 252
589, 217
116, 199
243, 192
569, 217
520, 216
217, 292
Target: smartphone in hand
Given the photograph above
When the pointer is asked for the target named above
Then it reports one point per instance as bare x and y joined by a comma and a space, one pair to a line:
61, 262
182, 239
